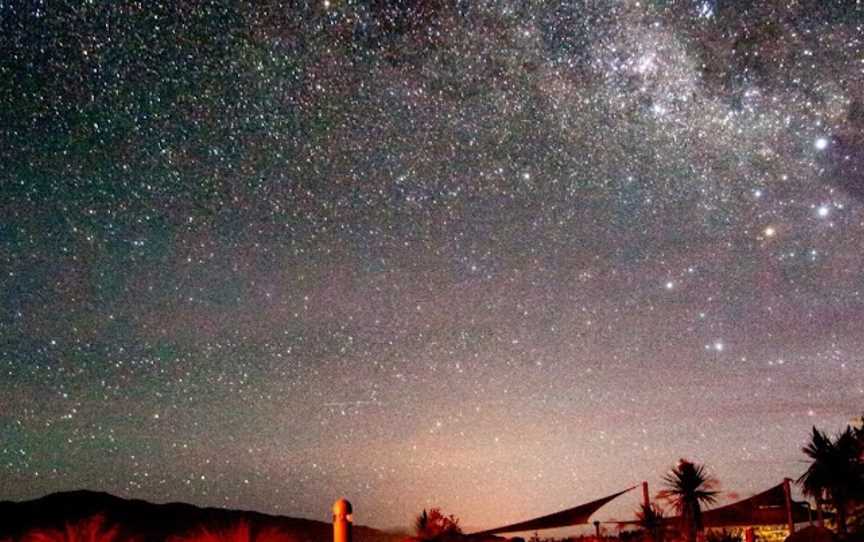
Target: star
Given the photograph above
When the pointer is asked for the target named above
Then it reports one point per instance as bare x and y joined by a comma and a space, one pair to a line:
417, 253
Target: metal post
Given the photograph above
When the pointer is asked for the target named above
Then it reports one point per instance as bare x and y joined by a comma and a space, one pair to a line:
788, 491
645, 500
597, 529
342, 521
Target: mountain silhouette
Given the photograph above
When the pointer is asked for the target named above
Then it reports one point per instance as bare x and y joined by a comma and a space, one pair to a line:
89, 516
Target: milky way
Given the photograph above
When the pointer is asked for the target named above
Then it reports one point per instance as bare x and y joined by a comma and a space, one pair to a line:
497, 257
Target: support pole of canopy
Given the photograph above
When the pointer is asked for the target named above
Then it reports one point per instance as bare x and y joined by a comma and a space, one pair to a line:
645, 499
787, 490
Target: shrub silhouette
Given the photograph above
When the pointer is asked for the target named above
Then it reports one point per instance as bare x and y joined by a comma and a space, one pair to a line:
90, 529
651, 520
722, 536
240, 531
435, 526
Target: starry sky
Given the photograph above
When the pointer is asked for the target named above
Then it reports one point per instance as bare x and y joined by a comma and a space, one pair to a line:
501, 257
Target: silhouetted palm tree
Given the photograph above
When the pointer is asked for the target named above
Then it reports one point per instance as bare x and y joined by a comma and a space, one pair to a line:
688, 487
650, 519
836, 474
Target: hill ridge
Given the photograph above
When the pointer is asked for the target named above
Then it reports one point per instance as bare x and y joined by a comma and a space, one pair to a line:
146, 521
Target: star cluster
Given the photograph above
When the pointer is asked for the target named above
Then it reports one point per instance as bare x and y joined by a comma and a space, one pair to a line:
499, 257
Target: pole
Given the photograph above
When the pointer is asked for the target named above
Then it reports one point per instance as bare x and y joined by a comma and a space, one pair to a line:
645, 500
597, 529
787, 489
342, 521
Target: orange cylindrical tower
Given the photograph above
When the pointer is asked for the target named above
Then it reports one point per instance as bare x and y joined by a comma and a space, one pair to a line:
342, 521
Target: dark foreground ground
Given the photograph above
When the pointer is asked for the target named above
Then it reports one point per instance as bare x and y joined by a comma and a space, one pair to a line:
99, 517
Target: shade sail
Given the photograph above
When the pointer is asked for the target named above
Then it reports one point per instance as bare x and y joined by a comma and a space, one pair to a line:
572, 516
766, 508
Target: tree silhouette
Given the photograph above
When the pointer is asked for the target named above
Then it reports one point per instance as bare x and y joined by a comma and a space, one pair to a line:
836, 473
435, 526
688, 487
650, 520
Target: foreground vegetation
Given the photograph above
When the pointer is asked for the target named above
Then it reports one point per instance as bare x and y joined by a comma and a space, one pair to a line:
834, 478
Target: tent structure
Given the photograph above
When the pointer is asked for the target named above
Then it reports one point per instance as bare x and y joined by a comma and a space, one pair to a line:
572, 516
766, 508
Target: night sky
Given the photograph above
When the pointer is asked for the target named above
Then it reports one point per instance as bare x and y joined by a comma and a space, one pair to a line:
500, 257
